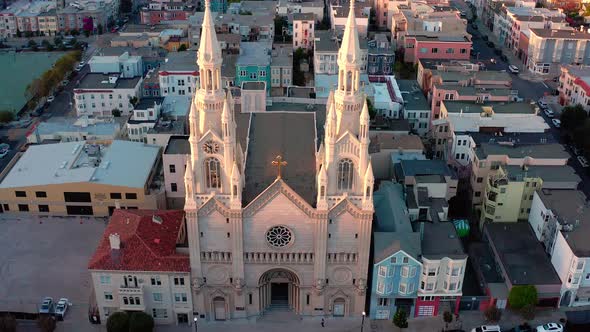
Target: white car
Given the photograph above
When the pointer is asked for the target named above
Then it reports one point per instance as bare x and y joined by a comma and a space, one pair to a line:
549, 113
542, 104
487, 328
50, 99
550, 327
583, 161
556, 123
513, 69
62, 307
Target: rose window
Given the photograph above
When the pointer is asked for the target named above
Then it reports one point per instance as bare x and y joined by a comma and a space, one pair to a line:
279, 236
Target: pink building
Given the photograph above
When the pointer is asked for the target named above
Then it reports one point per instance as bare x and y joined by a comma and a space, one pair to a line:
434, 47
157, 12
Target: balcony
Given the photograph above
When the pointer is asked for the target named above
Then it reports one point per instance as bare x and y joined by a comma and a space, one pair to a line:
131, 290
131, 298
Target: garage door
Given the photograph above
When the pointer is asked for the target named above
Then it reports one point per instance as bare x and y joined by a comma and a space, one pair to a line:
426, 310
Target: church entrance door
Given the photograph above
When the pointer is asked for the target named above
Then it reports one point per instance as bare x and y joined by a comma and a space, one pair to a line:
219, 307
279, 290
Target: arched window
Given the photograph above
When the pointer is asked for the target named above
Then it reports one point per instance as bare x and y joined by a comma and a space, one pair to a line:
345, 174
213, 173
349, 81
125, 301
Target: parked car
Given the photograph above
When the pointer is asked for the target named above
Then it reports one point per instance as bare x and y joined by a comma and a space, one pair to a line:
490, 44
46, 306
542, 104
503, 58
487, 328
513, 69
550, 327
62, 307
556, 123
583, 161
4, 149
575, 150
50, 99
549, 113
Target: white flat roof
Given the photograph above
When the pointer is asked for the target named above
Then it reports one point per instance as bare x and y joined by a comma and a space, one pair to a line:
511, 124
123, 163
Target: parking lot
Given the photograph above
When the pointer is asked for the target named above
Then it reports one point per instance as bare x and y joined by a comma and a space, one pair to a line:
47, 257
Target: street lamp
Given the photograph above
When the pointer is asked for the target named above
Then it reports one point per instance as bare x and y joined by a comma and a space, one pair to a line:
363, 321
195, 320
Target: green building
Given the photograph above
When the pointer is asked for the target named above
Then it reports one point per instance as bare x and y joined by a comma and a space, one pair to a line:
253, 64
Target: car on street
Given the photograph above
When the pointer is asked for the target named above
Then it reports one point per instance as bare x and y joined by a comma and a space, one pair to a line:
542, 104
46, 306
492, 60
4, 149
550, 327
549, 113
463, 14
556, 122
583, 161
62, 307
50, 99
513, 69
487, 328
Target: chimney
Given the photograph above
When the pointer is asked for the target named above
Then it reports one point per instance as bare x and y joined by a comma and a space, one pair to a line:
115, 241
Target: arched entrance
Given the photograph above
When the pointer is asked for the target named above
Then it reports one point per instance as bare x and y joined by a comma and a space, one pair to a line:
279, 289
219, 308
339, 307
566, 299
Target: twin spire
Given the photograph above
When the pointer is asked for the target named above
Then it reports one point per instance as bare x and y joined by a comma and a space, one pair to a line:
209, 51
350, 51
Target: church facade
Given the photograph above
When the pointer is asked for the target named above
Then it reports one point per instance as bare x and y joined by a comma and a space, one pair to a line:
279, 205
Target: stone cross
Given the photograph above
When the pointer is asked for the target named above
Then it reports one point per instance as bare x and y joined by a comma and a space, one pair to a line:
279, 163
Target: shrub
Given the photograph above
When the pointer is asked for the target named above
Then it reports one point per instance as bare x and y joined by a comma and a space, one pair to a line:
400, 319
118, 322
521, 296
493, 314
7, 323
141, 322
116, 113
47, 323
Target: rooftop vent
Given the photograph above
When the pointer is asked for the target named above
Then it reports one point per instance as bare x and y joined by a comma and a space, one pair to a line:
115, 241
157, 219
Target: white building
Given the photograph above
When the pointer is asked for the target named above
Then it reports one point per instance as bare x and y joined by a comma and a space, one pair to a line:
81, 129
548, 48
315, 7
172, 121
281, 66
132, 270
174, 160
416, 108
178, 74
100, 94
574, 86
559, 219
144, 117
522, 19
339, 16
303, 31
325, 55
128, 66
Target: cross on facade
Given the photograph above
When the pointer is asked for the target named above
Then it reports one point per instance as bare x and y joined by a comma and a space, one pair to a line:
279, 162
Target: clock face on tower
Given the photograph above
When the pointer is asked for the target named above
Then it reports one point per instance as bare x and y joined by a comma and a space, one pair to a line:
211, 147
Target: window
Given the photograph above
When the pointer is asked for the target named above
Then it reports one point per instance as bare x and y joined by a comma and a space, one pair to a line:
180, 297
393, 260
242, 73
173, 187
477, 193
108, 296
20, 193
179, 281
157, 297
450, 51
383, 301
23, 207
412, 271
411, 288
172, 168
431, 272
463, 51
212, 173
429, 286
423, 50
130, 196
434, 50
40, 194
43, 208
345, 174
403, 288
105, 280
156, 281
380, 287
253, 76
78, 197
405, 260
382, 271
159, 313
405, 271
456, 271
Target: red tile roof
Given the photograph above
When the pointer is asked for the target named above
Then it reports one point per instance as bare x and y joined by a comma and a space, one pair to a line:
145, 244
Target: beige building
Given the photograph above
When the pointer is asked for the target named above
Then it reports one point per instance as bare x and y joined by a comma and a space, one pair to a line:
82, 178
574, 86
141, 264
303, 30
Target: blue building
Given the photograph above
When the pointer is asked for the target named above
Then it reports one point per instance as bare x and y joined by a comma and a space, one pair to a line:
381, 57
219, 6
253, 64
396, 255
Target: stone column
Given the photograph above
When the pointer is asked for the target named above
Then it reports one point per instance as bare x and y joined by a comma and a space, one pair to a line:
238, 262
193, 233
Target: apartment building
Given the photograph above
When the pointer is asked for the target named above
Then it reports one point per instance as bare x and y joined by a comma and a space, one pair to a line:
253, 64
441, 70
339, 15
157, 11
76, 14
144, 117
281, 66
249, 27
416, 109
434, 35
387, 148
174, 160
101, 94
139, 265
315, 7
303, 30
82, 178
574, 86
125, 64
509, 192
28, 16
543, 50
381, 56
178, 75
559, 220
75, 129
325, 55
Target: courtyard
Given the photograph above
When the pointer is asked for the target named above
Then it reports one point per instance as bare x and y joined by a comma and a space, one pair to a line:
47, 257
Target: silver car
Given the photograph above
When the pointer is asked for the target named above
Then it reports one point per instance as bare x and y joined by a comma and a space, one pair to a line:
46, 306
62, 307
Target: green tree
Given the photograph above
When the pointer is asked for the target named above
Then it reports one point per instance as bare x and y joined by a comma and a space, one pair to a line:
28, 34
5, 117
46, 323
182, 48
141, 322
74, 32
86, 33
400, 319
8, 323
522, 295
32, 43
372, 111
492, 314
133, 100
572, 117
116, 113
45, 43
447, 318
118, 322
100, 29
57, 40
18, 33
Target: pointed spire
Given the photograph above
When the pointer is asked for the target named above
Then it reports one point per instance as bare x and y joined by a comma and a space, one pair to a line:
365, 118
225, 113
369, 178
350, 51
323, 176
235, 174
209, 51
331, 121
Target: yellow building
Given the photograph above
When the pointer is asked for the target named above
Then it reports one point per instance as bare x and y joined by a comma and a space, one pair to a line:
81, 178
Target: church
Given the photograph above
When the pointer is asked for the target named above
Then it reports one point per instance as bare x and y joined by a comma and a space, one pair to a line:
278, 205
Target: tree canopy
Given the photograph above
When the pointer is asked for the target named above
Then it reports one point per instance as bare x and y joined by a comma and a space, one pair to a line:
522, 295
